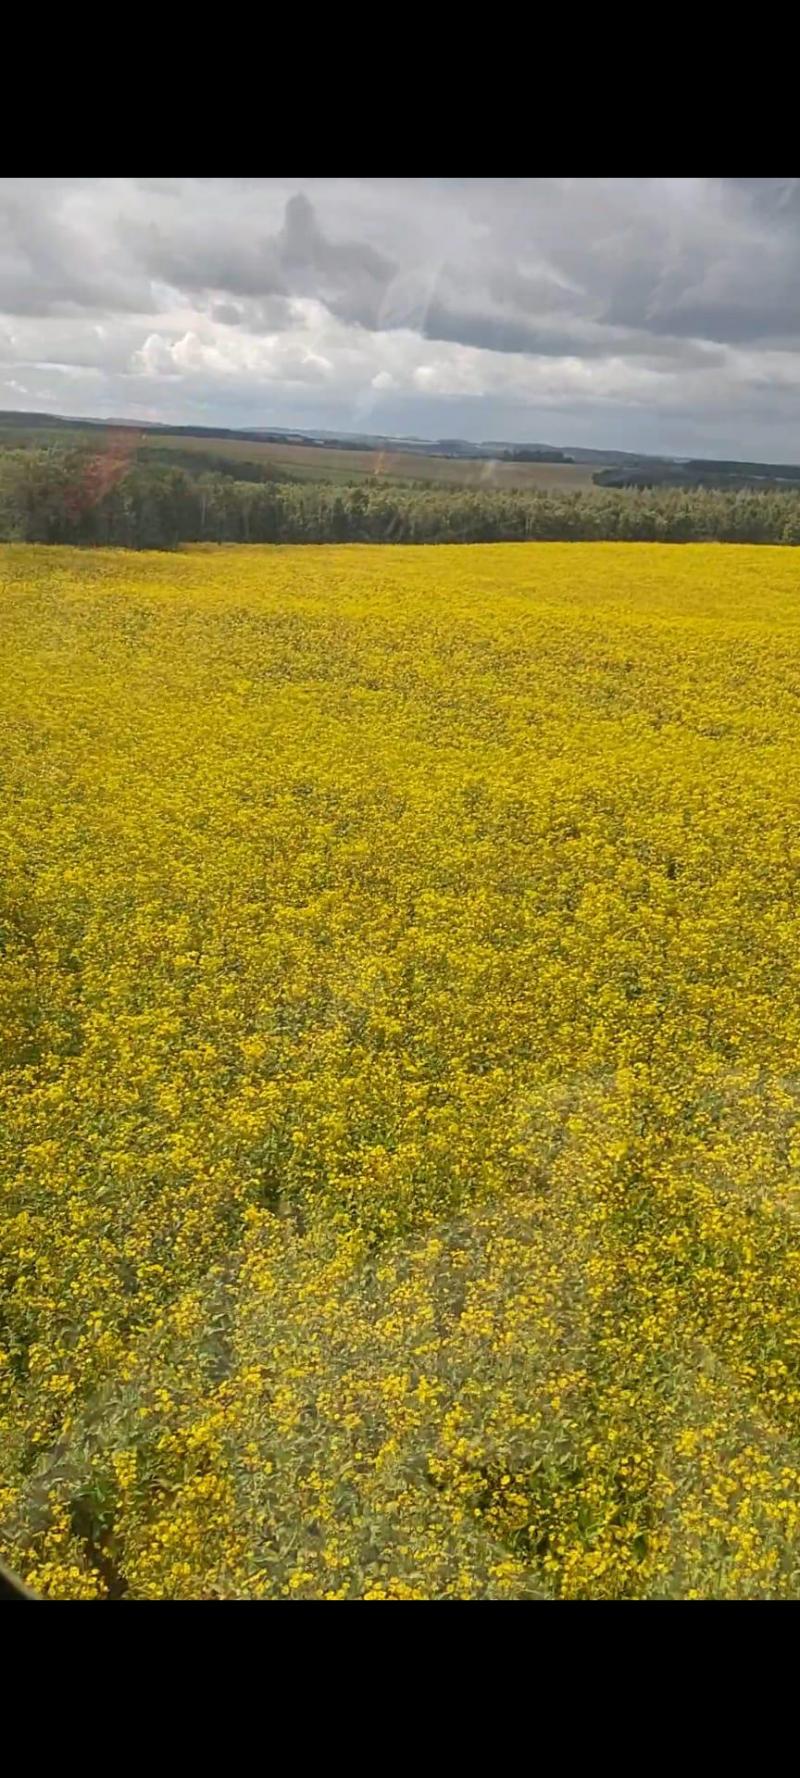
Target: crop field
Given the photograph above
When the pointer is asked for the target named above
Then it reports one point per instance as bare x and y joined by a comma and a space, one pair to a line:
320, 463
400, 1093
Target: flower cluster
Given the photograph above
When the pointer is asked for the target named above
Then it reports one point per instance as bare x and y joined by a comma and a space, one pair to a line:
400, 1093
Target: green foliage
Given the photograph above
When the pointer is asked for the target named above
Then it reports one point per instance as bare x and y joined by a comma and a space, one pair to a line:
195, 463
57, 496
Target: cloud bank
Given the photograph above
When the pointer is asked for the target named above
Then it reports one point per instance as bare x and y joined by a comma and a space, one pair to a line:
646, 314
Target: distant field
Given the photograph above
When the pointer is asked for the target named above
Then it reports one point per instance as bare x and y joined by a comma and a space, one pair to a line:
310, 462
316, 463
15, 437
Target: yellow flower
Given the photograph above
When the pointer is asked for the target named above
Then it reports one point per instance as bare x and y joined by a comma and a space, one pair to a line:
399, 1072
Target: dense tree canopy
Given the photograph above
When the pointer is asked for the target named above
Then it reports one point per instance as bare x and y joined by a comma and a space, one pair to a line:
56, 496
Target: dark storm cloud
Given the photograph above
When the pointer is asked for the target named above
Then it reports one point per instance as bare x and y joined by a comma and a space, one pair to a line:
499, 331
350, 276
298, 259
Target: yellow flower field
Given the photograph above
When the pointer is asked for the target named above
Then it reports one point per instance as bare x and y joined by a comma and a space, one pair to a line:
400, 1033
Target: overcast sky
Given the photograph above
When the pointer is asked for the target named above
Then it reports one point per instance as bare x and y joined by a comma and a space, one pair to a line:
650, 314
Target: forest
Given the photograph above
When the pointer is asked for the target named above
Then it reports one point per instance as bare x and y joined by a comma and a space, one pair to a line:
56, 495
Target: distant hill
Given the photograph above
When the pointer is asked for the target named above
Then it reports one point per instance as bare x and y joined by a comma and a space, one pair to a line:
507, 450
699, 472
534, 454
354, 450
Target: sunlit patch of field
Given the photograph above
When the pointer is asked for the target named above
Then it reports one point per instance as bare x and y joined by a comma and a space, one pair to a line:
400, 1034
322, 463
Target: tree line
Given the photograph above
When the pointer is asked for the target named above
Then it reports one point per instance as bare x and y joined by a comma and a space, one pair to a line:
57, 496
